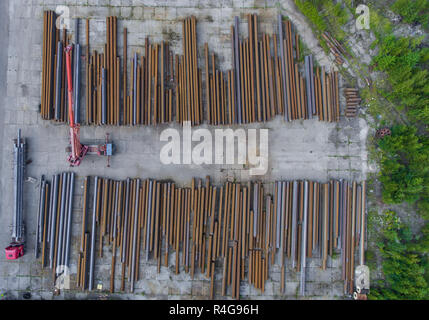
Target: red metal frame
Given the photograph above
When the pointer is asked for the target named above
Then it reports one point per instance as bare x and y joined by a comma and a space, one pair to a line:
14, 251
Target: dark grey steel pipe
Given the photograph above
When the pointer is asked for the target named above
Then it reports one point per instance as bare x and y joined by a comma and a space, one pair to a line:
92, 254
66, 205
41, 199
294, 222
61, 222
53, 221
69, 220
149, 214
76, 88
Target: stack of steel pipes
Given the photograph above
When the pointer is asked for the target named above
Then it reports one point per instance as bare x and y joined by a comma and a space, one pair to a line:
76, 73
189, 92
352, 101
317, 219
49, 63
53, 233
327, 102
151, 95
202, 225
265, 80
19, 167
54, 84
336, 48
103, 105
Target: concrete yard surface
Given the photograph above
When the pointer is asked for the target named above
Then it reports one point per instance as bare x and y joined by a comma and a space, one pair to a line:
308, 149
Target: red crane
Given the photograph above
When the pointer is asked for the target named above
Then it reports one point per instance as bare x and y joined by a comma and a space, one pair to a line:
79, 150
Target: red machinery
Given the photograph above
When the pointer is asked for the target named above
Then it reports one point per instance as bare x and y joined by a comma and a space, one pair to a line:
79, 150
14, 251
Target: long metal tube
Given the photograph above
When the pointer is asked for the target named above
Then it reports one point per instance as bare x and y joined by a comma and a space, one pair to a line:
41, 201
61, 222
125, 223
58, 81
279, 213
16, 186
92, 254
294, 222
53, 220
50, 210
103, 96
237, 69
362, 231
255, 209
283, 63
149, 218
136, 214
135, 89
69, 220
304, 240
65, 221
77, 64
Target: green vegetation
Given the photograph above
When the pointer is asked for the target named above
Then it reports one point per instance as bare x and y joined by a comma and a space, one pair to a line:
407, 85
404, 262
336, 17
412, 11
309, 9
405, 167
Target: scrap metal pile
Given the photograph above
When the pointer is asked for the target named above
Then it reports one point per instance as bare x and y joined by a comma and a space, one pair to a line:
239, 228
353, 100
265, 80
54, 227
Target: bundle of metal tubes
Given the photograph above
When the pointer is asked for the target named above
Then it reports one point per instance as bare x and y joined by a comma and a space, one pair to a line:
150, 100
54, 85
19, 167
103, 79
265, 80
317, 219
53, 233
352, 101
49, 63
336, 48
240, 225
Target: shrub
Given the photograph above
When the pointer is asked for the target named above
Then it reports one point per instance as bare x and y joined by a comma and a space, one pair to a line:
312, 13
404, 62
405, 167
403, 263
412, 11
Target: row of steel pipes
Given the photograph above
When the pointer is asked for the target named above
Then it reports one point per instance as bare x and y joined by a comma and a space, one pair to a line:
318, 219
54, 223
19, 151
265, 79
54, 84
239, 228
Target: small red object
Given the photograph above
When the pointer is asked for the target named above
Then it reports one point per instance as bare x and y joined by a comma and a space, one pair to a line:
14, 251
